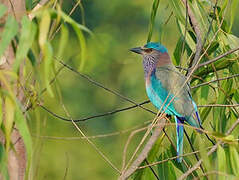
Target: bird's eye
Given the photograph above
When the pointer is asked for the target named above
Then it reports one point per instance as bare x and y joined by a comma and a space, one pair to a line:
148, 50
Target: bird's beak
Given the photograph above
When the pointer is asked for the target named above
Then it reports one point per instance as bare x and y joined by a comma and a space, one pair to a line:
137, 50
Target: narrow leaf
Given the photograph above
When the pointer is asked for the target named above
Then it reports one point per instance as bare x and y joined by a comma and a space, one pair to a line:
25, 134
221, 158
234, 157
44, 28
10, 30
28, 32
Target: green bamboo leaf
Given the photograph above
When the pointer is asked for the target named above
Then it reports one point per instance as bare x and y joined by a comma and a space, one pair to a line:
28, 4
21, 124
212, 48
171, 171
9, 119
178, 52
203, 152
189, 40
152, 18
63, 40
178, 9
163, 169
234, 159
3, 163
31, 57
82, 45
28, 32
1, 111
234, 8
69, 20
44, 27
48, 54
224, 5
204, 113
10, 30
201, 16
2, 10
221, 161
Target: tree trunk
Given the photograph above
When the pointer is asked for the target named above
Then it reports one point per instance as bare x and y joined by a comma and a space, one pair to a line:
16, 160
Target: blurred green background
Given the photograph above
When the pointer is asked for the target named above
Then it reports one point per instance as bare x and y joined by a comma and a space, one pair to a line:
117, 27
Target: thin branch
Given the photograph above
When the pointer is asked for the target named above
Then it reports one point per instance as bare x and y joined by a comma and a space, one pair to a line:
155, 175
220, 79
91, 143
169, 159
196, 156
219, 105
123, 109
145, 151
127, 144
91, 117
88, 78
218, 57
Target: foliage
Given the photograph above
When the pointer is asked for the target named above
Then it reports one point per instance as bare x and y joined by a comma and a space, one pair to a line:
40, 56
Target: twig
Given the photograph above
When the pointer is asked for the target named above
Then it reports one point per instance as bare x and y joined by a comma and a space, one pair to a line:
155, 175
145, 151
220, 79
218, 57
219, 105
123, 109
127, 143
91, 117
169, 159
91, 143
101, 86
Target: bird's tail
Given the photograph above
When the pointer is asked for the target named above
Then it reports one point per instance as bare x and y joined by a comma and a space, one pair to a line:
194, 120
179, 131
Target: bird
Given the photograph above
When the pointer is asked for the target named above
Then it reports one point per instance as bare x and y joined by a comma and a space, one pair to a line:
168, 90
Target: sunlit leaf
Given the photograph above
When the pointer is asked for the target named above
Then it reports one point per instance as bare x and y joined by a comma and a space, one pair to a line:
1, 111
28, 4
3, 163
48, 55
234, 8
234, 159
2, 10
10, 30
221, 158
152, 18
44, 28
63, 40
28, 32
9, 119
21, 124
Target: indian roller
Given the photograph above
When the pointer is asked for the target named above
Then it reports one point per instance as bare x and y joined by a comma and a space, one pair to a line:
164, 89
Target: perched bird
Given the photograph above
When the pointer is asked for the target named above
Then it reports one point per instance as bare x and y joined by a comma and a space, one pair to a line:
164, 89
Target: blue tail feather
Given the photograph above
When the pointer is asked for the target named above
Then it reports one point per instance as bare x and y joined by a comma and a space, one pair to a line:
179, 131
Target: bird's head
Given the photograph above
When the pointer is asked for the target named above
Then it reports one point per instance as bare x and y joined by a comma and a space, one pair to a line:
150, 49
154, 55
